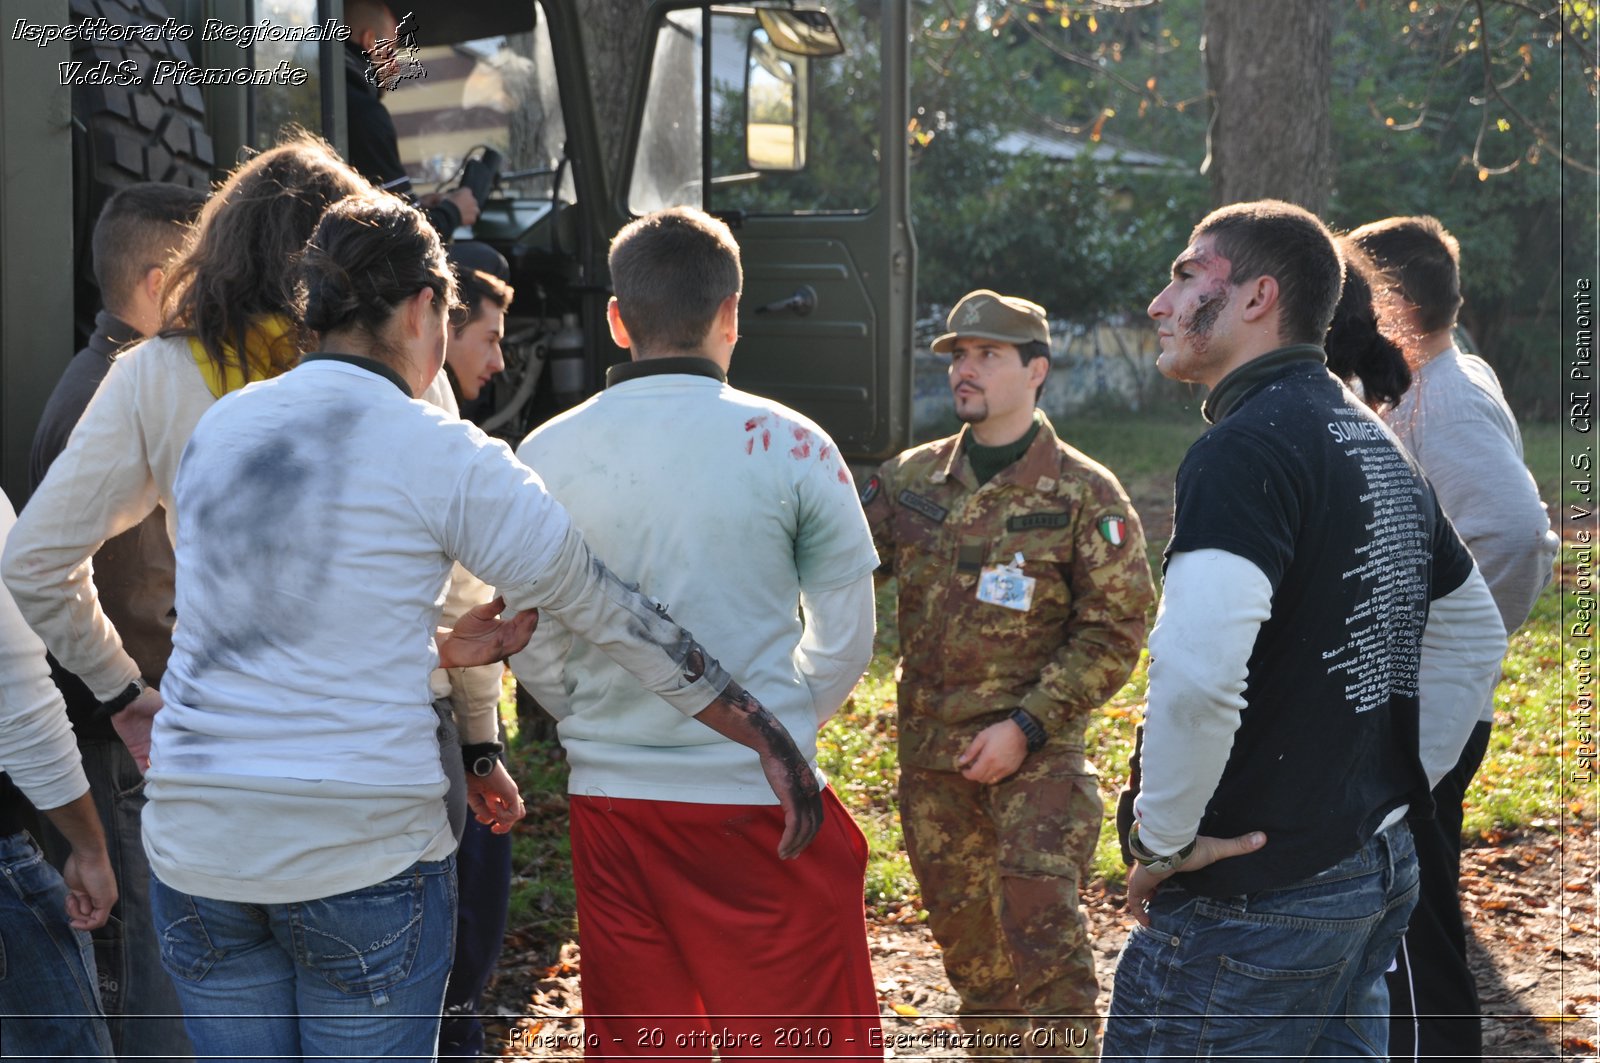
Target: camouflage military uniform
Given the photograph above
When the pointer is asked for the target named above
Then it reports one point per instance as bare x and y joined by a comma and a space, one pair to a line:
999, 865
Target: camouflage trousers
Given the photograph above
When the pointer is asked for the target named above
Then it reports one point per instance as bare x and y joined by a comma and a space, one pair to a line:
999, 868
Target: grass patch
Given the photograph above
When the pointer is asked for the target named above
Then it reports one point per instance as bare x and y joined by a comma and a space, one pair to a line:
1143, 450
1541, 449
543, 908
1526, 779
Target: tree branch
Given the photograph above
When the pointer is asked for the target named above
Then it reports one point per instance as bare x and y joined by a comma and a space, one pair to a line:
1539, 134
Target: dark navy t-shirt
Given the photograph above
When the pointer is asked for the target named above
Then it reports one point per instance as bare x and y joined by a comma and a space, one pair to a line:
1306, 483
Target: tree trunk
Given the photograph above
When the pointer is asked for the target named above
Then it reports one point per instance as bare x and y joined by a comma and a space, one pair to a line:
612, 33
1268, 66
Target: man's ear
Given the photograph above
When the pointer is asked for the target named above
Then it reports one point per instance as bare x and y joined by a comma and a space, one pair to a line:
727, 320
1038, 369
1261, 299
154, 278
619, 331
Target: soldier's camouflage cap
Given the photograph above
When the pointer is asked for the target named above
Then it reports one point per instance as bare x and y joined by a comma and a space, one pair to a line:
992, 316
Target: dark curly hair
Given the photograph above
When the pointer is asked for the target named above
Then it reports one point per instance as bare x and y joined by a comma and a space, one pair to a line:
369, 254
1356, 346
236, 266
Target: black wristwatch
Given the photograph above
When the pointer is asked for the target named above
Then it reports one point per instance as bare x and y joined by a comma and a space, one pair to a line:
1159, 864
129, 695
1031, 729
481, 757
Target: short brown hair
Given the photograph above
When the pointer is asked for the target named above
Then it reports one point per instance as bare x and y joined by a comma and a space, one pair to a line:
478, 287
139, 229
1269, 237
671, 270
237, 265
1420, 257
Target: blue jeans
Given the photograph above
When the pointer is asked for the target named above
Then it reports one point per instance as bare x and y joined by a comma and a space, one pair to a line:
47, 983
360, 975
483, 865
142, 1009
1285, 974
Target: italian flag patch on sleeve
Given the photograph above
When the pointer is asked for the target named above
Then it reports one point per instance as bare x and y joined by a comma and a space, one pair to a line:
1113, 529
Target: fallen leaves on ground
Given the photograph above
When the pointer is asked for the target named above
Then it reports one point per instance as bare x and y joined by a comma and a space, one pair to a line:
1530, 903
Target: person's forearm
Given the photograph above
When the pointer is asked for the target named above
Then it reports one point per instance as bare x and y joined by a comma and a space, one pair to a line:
1212, 607
1488, 494
595, 605
36, 742
99, 486
836, 646
1463, 643
474, 692
79, 823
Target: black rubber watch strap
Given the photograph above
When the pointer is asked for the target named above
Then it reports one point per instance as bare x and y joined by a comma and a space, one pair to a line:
1032, 730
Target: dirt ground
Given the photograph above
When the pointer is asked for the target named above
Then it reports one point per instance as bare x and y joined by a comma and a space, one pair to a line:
1530, 904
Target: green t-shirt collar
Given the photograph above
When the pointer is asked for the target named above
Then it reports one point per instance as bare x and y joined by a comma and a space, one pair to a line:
989, 462
1233, 388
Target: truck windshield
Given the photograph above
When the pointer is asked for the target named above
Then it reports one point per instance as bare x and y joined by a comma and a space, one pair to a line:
497, 91
788, 133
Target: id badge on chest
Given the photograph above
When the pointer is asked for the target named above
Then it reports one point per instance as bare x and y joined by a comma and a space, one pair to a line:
1006, 586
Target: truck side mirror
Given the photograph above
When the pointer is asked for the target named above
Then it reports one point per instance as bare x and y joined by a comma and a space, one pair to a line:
808, 33
776, 117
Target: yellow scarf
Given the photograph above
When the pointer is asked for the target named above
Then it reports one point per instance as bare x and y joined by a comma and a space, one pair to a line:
269, 349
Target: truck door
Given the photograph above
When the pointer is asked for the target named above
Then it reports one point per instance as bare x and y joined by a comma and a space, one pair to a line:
790, 125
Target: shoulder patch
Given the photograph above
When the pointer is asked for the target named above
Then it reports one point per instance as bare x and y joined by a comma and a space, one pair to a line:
871, 490
926, 506
1038, 520
1113, 528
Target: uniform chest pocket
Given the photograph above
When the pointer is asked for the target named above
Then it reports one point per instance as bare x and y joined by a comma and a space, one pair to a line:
1047, 565
919, 523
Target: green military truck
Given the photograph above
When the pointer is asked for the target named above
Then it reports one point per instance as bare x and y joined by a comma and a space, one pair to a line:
787, 122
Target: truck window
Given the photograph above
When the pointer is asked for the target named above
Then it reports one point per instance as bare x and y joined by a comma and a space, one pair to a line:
789, 133
275, 106
496, 91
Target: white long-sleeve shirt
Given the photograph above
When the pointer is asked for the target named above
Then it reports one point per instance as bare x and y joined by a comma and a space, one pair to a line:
320, 514
1455, 421
36, 745
119, 462
737, 514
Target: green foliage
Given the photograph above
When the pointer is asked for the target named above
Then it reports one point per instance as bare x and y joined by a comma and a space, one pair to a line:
1077, 236
1523, 781
856, 752
1434, 111
1086, 237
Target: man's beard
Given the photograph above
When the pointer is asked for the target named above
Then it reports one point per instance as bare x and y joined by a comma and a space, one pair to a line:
976, 408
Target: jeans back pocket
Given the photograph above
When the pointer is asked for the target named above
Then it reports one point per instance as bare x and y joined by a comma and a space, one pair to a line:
364, 941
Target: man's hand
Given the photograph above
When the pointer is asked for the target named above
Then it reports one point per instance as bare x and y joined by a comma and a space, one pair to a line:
738, 716
133, 723
481, 637
1143, 883
495, 800
92, 888
996, 753
465, 202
